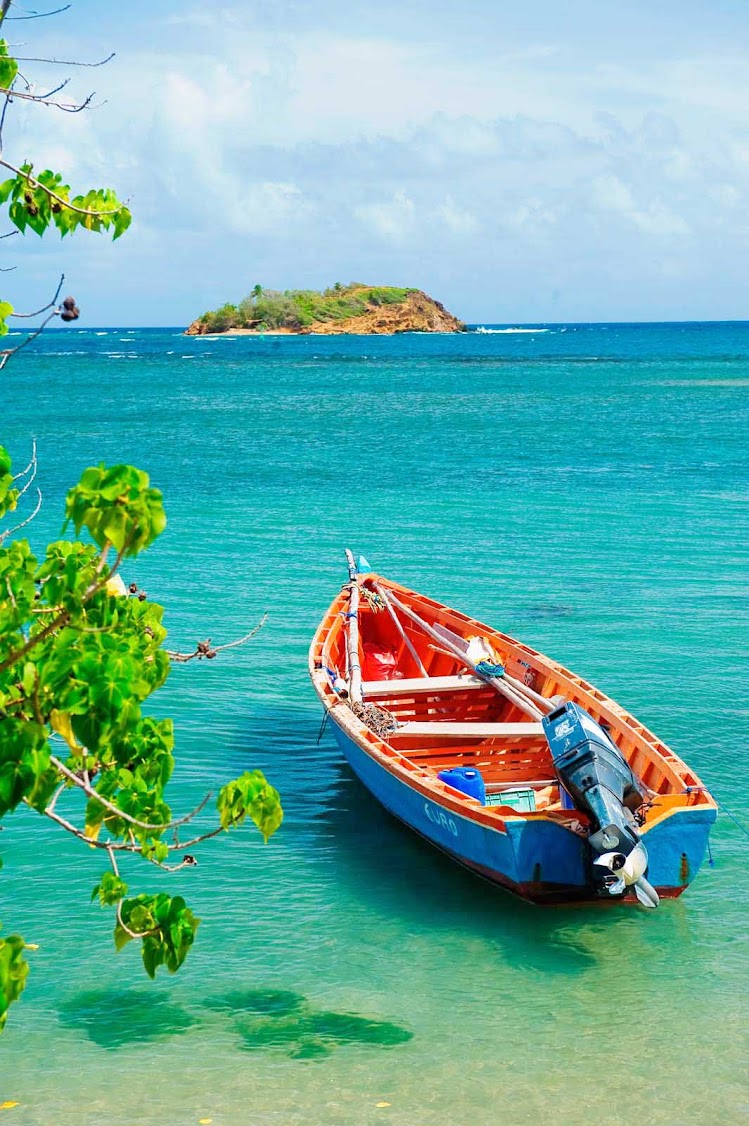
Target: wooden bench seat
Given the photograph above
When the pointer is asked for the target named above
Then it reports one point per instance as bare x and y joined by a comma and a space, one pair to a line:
420, 684
449, 730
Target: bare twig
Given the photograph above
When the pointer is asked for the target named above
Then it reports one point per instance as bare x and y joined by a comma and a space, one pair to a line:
45, 99
85, 785
50, 304
203, 837
62, 62
10, 531
6, 103
36, 15
9, 589
90, 792
122, 846
6, 353
60, 789
31, 465
204, 649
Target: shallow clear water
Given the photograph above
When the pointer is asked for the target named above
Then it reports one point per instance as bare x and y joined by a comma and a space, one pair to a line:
585, 488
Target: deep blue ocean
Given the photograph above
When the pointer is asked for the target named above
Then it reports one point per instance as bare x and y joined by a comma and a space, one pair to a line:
583, 487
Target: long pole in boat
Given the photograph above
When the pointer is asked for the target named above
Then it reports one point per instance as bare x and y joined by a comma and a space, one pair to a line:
352, 619
511, 694
409, 644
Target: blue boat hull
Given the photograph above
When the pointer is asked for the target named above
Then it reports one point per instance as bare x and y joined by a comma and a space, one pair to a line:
536, 859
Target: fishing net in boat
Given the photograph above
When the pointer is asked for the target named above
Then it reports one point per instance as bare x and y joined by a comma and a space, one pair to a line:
379, 720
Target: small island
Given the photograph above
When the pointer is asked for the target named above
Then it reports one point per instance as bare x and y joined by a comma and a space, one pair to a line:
354, 308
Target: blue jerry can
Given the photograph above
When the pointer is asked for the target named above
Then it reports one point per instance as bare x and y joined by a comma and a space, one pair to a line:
465, 779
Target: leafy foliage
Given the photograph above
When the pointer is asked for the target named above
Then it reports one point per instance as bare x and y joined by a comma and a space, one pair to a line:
8, 494
300, 308
38, 201
8, 67
78, 659
78, 656
249, 796
14, 970
166, 926
41, 200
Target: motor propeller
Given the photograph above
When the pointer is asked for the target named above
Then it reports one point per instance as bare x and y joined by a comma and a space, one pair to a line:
628, 871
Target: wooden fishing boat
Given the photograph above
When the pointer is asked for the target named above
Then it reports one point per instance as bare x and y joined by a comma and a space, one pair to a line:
504, 759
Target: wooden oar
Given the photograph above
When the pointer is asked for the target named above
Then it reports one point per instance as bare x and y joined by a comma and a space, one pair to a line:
506, 690
409, 644
535, 697
354, 664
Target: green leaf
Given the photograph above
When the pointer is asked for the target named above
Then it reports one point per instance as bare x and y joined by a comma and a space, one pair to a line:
8, 66
118, 507
165, 926
5, 311
122, 221
250, 795
110, 890
25, 770
14, 969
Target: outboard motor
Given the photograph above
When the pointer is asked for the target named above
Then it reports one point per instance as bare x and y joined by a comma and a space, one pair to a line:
600, 782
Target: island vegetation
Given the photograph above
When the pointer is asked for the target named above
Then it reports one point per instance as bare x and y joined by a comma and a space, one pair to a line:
355, 307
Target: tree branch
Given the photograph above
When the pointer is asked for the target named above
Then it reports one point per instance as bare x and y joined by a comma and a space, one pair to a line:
91, 792
45, 99
53, 195
31, 465
204, 650
35, 15
63, 62
6, 353
10, 531
49, 305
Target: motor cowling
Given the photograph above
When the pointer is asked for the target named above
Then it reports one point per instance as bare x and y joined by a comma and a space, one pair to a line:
601, 784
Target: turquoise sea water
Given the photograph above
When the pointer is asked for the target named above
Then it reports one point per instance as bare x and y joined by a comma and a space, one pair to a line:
583, 487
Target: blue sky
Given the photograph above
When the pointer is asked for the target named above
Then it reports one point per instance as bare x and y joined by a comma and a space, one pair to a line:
521, 162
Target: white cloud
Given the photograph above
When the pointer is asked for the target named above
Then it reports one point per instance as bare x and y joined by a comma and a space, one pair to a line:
394, 218
609, 193
459, 221
268, 208
659, 220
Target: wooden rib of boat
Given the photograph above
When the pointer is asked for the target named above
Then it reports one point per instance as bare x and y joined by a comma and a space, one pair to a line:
414, 706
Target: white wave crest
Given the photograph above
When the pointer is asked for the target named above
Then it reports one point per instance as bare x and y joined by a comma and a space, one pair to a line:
500, 331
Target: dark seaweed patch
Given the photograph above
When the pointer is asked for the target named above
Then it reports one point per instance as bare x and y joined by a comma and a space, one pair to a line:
281, 1021
548, 610
113, 1018
274, 1002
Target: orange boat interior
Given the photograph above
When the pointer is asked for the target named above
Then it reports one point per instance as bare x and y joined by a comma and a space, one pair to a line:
393, 679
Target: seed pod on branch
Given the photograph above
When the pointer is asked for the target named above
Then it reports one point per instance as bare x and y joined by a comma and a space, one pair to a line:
70, 311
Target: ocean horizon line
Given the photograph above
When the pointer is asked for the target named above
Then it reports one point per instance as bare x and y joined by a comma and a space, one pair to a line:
470, 325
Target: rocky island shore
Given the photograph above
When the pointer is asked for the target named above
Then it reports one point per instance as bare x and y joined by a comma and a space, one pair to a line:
355, 308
